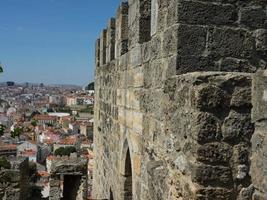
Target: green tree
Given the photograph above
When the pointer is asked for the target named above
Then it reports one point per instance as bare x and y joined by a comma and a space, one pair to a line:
91, 86
2, 129
65, 151
16, 132
1, 68
4, 163
34, 123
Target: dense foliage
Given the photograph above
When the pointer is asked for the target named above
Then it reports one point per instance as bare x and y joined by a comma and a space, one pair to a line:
4, 163
34, 123
90, 86
2, 129
16, 132
65, 151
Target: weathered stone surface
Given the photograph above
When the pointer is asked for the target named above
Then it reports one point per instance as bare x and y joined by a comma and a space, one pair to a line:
259, 196
231, 42
259, 96
214, 193
74, 172
261, 39
241, 98
212, 175
258, 168
191, 12
237, 127
183, 128
234, 64
214, 153
191, 40
246, 193
259, 162
208, 128
211, 99
253, 17
194, 63
14, 182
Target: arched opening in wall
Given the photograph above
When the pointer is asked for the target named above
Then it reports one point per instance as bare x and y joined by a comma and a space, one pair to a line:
128, 193
71, 187
111, 195
145, 21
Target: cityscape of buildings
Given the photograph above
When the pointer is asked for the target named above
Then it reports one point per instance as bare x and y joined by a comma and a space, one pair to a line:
43, 124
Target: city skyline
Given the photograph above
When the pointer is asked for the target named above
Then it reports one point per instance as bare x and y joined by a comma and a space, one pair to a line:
52, 41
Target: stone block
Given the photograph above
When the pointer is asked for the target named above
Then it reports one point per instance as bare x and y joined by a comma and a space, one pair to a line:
240, 154
206, 128
136, 77
189, 63
210, 98
259, 96
228, 42
214, 193
103, 46
135, 56
128, 117
253, 17
237, 127
170, 41
154, 16
259, 196
137, 165
182, 163
206, 13
155, 45
246, 193
258, 168
241, 97
212, 175
123, 62
184, 40
121, 115
137, 119
191, 40
157, 73
121, 97
235, 65
261, 39
214, 153
134, 99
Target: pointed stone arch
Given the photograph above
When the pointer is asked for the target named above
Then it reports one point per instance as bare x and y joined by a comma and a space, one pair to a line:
126, 172
111, 197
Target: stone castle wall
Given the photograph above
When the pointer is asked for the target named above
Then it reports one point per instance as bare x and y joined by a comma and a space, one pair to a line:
72, 172
259, 139
14, 182
173, 99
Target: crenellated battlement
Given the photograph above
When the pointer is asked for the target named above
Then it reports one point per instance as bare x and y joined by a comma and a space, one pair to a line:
205, 35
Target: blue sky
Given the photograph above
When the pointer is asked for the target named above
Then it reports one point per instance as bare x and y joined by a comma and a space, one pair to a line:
51, 41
